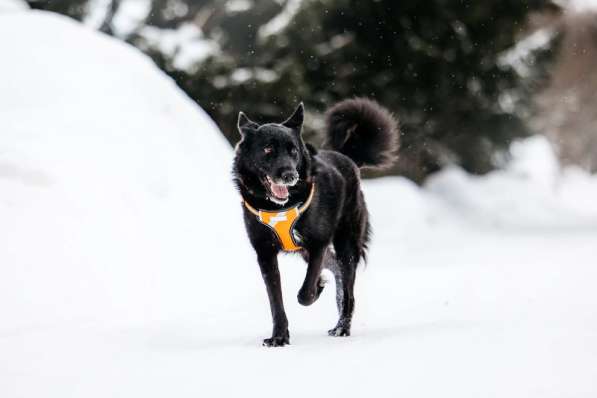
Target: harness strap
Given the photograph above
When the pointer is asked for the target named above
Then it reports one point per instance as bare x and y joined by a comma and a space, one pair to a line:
251, 208
307, 203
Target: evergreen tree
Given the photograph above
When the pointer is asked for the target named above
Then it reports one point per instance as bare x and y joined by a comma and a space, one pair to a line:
438, 64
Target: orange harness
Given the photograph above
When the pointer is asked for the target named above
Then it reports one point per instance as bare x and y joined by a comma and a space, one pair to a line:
282, 222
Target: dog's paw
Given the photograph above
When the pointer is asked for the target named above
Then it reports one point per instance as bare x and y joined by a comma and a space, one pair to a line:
276, 341
308, 297
339, 331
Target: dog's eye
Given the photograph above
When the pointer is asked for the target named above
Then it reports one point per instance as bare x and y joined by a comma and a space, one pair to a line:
293, 151
268, 150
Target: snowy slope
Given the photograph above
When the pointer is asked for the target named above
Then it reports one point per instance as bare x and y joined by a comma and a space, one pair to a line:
117, 279
105, 172
13, 6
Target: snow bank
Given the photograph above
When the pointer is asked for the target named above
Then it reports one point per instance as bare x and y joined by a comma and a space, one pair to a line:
113, 184
531, 192
13, 5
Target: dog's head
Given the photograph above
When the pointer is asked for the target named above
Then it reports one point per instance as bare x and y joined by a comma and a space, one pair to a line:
271, 158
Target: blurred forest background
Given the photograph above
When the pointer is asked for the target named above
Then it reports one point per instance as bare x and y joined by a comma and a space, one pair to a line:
465, 78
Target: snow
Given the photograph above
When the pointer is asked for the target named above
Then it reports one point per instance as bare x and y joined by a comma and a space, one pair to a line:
235, 6
119, 277
186, 45
101, 163
529, 193
280, 21
13, 5
130, 15
96, 13
243, 75
520, 56
582, 5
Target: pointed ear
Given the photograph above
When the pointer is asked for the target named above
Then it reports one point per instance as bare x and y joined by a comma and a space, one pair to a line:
243, 120
244, 123
295, 121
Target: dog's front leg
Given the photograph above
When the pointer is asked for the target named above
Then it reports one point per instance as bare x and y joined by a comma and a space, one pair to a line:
311, 288
271, 276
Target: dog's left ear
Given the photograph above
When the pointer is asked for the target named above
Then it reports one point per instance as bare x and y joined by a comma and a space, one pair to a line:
295, 122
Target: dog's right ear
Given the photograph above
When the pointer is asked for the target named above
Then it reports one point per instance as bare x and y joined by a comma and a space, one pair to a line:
245, 124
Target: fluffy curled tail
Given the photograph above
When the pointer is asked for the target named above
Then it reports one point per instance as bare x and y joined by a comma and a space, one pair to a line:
364, 131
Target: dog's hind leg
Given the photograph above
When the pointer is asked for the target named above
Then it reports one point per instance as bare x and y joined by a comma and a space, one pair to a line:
331, 263
344, 272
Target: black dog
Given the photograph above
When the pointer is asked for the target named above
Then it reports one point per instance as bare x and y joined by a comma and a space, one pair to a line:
296, 198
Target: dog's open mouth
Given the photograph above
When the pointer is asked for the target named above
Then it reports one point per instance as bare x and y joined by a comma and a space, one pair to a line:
278, 191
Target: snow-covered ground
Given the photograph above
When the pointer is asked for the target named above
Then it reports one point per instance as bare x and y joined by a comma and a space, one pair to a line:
117, 279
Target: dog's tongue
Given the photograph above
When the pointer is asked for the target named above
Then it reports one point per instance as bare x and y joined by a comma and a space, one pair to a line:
280, 191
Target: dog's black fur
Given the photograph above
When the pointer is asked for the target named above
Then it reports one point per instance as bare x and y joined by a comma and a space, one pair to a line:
359, 133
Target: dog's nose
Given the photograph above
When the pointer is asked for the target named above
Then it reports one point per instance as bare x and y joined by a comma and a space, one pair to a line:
289, 176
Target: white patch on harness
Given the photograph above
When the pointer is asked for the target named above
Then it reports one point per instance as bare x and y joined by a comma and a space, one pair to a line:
277, 218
